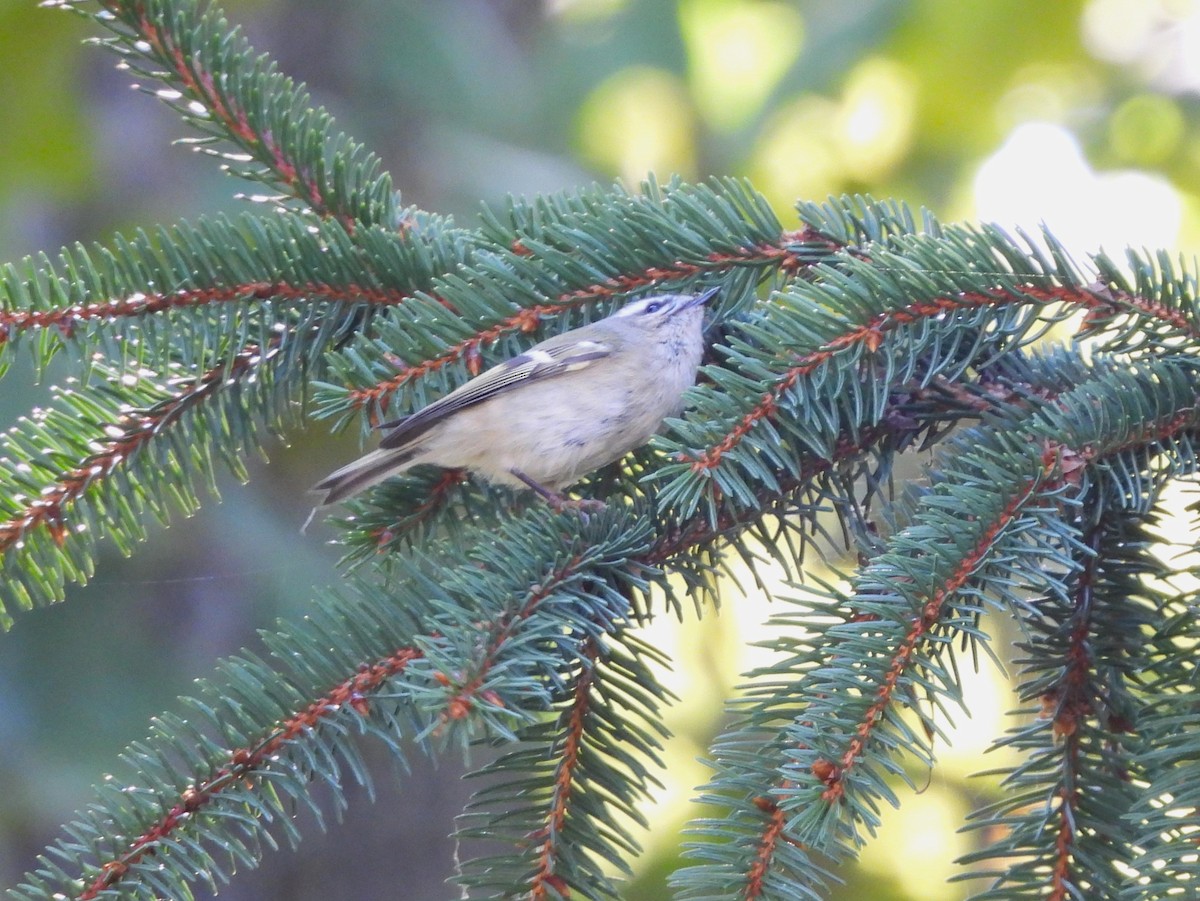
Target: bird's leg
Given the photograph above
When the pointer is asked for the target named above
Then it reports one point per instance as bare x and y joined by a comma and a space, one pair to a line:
557, 501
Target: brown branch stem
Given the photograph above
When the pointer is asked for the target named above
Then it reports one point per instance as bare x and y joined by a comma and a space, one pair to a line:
1070, 702
545, 880
242, 763
67, 318
870, 336
462, 701
135, 430
203, 86
833, 774
354, 691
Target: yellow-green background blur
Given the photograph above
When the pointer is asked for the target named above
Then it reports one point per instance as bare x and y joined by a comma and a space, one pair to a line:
1080, 114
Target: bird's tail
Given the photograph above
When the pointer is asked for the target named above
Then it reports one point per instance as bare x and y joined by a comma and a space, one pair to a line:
369, 469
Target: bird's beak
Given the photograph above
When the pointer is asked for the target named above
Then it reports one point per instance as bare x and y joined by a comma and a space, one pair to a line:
701, 299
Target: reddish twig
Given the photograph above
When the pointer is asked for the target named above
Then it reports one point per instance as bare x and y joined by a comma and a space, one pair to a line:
544, 879
1069, 703
205, 87
243, 762
1060, 888
439, 494
870, 336
462, 701
525, 320
66, 319
354, 692
132, 433
1154, 433
1107, 302
833, 774
700, 530
772, 835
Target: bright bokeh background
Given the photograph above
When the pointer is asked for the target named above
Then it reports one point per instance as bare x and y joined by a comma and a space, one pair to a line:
1082, 115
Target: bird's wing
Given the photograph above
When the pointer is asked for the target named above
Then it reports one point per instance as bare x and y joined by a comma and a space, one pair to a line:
546, 360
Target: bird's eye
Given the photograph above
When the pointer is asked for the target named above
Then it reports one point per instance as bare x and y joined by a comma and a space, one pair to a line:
654, 307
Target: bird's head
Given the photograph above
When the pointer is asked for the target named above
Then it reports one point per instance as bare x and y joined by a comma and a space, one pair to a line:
665, 310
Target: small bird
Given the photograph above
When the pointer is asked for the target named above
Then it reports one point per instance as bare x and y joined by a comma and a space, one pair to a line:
547, 417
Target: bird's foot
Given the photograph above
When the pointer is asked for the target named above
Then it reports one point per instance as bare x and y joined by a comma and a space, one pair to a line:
560, 503
582, 506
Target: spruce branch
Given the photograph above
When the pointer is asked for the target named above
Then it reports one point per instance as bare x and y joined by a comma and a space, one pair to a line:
837, 346
888, 638
258, 305
847, 317
470, 672
449, 657
106, 474
462, 673
564, 810
246, 763
1086, 749
147, 290
829, 763
555, 839
1156, 308
213, 79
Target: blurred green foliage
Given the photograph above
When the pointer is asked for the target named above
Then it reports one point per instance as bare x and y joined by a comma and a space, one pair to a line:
45, 130
470, 100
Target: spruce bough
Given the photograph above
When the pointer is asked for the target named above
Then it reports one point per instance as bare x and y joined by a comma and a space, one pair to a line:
1061, 404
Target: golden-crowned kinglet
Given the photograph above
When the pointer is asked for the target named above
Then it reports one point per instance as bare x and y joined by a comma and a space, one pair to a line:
549, 416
